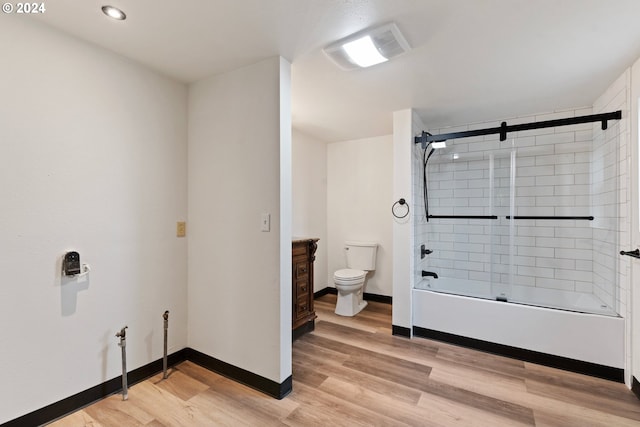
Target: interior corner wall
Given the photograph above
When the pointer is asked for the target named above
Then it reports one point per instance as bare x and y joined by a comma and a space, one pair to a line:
310, 198
93, 158
234, 277
359, 190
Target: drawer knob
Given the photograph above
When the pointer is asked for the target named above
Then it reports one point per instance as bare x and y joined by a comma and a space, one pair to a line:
303, 288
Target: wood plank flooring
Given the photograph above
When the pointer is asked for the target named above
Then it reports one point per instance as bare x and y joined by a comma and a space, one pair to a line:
353, 372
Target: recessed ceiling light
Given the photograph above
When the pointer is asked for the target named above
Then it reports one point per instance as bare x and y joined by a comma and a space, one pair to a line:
114, 12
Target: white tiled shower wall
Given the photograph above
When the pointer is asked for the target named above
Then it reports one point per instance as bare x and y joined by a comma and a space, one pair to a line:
564, 171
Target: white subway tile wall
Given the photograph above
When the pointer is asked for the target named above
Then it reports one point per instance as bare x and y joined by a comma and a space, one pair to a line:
563, 171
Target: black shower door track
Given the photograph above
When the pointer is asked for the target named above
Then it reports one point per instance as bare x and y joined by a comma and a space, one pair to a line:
425, 138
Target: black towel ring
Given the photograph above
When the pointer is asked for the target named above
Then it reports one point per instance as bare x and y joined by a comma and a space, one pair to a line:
401, 202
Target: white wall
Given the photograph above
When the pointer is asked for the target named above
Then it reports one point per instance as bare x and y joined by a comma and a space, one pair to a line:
359, 199
239, 299
406, 124
309, 168
92, 158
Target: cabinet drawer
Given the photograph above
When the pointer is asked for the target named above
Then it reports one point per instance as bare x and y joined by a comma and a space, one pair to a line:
301, 269
299, 250
302, 288
302, 307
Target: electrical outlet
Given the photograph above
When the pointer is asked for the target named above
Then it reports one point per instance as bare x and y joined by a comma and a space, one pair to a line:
265, 222
181, 229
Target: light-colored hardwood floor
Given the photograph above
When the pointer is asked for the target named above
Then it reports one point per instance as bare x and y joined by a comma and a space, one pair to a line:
353, 372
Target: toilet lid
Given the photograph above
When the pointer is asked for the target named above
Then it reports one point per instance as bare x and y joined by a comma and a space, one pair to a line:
349, 274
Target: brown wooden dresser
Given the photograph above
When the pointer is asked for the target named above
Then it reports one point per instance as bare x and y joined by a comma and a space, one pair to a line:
302, 257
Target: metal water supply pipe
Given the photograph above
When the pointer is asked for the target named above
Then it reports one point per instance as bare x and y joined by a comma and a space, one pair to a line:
165, 316
123, 345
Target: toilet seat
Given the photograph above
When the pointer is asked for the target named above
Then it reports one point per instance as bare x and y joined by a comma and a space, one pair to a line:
348, 276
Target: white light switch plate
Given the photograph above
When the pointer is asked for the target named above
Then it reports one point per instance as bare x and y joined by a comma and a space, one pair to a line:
265, 223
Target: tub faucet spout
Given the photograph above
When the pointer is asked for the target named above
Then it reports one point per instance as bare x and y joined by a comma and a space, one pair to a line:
429, 274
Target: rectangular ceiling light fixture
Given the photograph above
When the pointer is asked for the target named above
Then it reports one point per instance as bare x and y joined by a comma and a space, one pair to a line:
368, 47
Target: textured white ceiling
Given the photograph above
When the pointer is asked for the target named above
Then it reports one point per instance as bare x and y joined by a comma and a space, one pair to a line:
472, 60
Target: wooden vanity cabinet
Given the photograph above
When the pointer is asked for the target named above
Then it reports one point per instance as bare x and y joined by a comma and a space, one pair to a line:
302, 257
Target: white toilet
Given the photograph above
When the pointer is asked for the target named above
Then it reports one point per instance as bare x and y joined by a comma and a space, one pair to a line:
361, 258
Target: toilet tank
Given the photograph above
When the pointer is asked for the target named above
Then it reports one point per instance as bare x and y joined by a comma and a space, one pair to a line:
361, 255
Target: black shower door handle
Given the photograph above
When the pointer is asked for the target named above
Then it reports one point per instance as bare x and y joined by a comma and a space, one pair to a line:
635, 254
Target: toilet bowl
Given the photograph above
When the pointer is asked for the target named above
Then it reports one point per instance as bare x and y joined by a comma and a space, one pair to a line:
350, 286
349, 282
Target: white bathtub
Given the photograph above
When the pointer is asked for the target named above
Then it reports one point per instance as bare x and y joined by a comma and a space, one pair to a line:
542, 297
592, 338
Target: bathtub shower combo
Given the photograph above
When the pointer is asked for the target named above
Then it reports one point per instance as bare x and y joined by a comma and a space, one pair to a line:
517, 240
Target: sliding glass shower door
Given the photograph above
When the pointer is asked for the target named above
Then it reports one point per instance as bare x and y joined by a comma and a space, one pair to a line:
531, 220
468, 188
